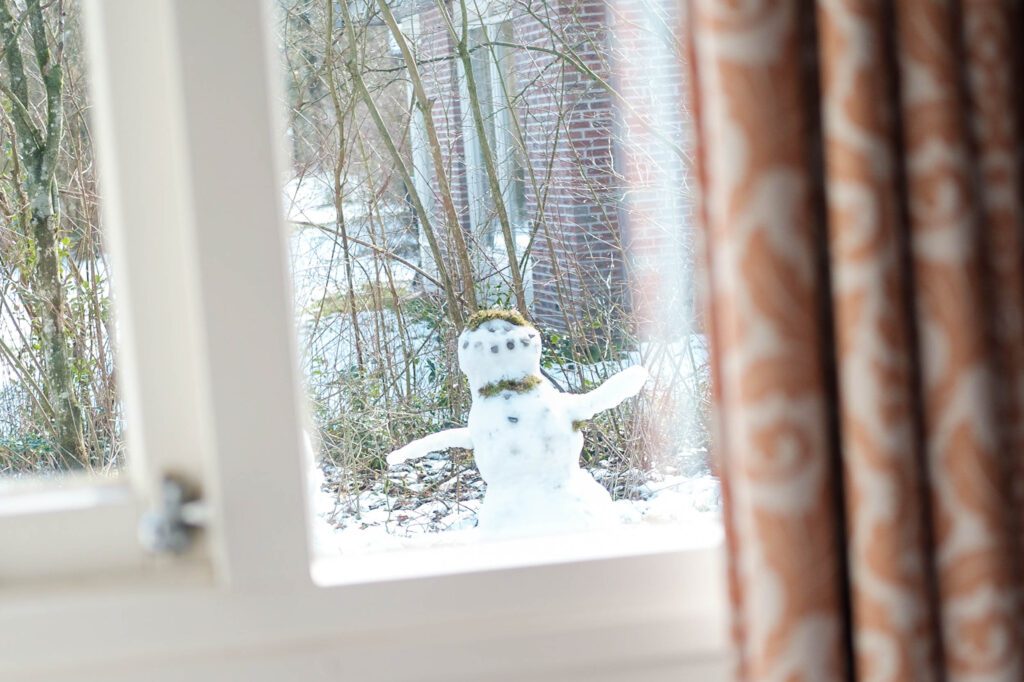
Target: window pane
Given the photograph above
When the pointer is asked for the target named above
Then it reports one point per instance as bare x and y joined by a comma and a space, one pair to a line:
59, 409
544, 168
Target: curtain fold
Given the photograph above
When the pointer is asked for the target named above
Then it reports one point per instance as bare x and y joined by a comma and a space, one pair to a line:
860, 170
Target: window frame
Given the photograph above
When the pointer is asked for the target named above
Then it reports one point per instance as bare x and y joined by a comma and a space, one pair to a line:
503, 147
422, 163
90, 523
245, 601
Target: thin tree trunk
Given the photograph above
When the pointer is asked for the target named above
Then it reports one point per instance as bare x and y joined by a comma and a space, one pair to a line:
39, 150
339, 168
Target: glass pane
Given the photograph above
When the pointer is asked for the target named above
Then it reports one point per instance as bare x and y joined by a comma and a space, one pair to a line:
59, 409
574, 111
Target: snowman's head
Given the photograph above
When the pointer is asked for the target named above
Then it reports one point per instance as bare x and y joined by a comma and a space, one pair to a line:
496, 345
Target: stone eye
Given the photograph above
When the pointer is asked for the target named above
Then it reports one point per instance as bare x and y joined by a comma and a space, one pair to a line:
525, 342
465, 345
510, 345
494, 349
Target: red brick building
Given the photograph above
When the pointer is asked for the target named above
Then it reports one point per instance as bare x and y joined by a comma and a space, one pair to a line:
581, 102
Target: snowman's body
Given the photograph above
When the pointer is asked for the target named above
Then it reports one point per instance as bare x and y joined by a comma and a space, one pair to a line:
524, 434
528, 453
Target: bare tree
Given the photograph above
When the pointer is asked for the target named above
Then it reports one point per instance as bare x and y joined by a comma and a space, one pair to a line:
58, 395
35, 96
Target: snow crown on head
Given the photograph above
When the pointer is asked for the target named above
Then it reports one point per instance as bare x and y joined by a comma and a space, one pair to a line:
498, 345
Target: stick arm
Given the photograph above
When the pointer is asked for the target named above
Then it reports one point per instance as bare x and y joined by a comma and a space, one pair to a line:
442, 440
619, 387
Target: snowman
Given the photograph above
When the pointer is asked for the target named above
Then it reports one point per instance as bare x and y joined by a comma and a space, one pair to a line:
525, 434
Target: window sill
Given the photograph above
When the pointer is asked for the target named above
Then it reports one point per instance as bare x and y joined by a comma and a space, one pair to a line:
510, 611
455, 557
88, 526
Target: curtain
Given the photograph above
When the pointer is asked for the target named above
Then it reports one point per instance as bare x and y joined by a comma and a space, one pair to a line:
860, 174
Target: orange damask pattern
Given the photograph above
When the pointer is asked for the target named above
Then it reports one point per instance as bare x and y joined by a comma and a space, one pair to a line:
861, 197
757, 203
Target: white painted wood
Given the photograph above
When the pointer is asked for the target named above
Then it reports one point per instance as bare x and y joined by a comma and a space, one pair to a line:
533, 659
186, 116
611, 614
146, 207
230, 106
497, 109
509, 660
73, 526
66, 528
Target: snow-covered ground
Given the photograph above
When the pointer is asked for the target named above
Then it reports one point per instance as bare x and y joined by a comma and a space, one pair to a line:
434, 501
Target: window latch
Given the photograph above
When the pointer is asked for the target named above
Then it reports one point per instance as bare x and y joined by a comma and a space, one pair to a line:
171, 526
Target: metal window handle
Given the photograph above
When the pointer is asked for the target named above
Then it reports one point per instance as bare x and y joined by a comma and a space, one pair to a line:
171, 527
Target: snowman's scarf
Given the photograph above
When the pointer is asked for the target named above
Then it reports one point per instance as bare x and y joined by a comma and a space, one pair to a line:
524, 385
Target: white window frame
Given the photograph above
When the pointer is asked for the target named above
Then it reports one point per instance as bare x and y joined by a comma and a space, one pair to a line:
89, 525
504, 150
186, 105
422, 162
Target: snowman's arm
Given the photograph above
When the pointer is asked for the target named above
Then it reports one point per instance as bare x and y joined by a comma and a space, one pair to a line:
625, 384
442, 440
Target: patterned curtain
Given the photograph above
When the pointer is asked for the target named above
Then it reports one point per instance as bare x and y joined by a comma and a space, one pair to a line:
860, 165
